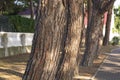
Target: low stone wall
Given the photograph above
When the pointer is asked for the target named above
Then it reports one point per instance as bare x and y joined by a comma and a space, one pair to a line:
14, 51
15, 43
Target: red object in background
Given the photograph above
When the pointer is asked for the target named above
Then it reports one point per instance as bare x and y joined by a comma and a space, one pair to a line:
86, 20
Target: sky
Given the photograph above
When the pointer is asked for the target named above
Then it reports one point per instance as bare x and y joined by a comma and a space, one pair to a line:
117, 3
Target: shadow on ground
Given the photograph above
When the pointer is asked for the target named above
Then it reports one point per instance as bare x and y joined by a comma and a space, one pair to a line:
12, 68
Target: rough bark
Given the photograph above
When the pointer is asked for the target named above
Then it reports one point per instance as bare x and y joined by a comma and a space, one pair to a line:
107, 28
91, 40
69, 65
82, 29
48, 41
100, 38
92, 33
56, 41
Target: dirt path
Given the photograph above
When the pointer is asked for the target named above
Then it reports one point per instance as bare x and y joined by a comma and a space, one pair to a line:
12, 68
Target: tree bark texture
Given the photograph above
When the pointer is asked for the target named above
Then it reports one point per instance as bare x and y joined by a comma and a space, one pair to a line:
56, 40
100, 38
48, 41
91, 44
70, 65
82, 29
92, 34
107, 28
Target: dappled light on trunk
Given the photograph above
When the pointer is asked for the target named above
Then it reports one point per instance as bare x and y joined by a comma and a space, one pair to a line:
96, 10
56, 41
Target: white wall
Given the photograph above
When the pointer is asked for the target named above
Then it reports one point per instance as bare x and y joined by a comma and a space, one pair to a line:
14, 39
15, 43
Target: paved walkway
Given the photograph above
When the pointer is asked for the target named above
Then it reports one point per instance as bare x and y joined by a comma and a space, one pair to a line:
110, 69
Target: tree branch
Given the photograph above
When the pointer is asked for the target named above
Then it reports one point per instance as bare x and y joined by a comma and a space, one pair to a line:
106, 7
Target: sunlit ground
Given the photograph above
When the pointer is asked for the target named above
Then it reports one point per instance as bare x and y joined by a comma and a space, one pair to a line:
12, 68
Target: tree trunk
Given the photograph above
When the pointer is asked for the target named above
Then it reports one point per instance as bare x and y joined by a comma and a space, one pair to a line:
92, 35
82, 29
100, 39
99, 7
107, 29
56, 41
69, 66
32, 9
48, 41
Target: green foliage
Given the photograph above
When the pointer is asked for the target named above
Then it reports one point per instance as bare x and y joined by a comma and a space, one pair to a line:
115, 40
6, 6
117, 19
22, 24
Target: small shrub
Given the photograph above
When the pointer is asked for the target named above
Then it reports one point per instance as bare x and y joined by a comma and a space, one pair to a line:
22, 24
115, 40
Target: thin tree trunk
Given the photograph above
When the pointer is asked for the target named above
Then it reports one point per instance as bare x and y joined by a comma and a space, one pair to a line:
82, 29
32, 9
107, 29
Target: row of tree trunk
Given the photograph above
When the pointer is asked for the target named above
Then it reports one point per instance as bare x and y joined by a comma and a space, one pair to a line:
94, 29
56, 42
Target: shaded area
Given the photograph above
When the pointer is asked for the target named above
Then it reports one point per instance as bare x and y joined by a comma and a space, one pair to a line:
2, 78
116, 50
110, 69
12, 68
5, 25
102, 75
9, 71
